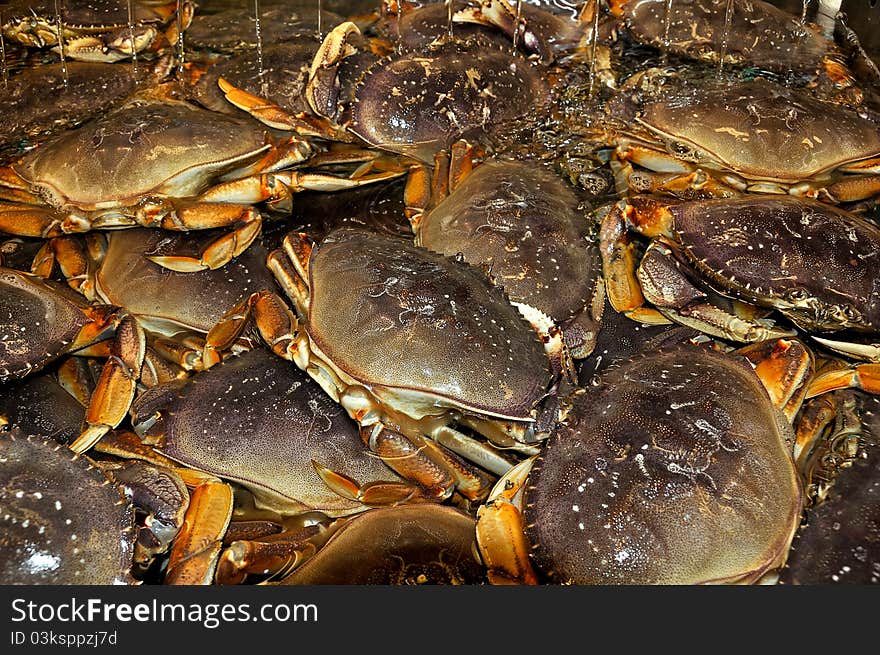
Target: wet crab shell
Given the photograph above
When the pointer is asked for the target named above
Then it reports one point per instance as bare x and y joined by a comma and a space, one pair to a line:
63, 520
815, 262
375, 297
232, 30
521, 224
760, 34
85, 17
167, 301
167, 148
838, 542
284, 72
734, 127
418, 544
673, 471
38, 404
418, 103
37, 322
259, 421
41, 101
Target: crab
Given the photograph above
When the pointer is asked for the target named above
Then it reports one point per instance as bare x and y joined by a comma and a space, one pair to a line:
837, 542
48, 403
713, 141
212, 169
274, 432
524, 226
470, 358
407, 545
534, 29
190, 509
438, 94
41, 101
270, 423
44, 321
812, 262
675, 469
50, 535
737, 32
231, 31
176, 310
97, 30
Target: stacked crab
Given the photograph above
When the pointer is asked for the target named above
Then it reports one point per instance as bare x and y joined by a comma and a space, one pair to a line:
373, 281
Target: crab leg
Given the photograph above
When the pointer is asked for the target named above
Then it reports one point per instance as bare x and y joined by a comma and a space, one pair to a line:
785, 367
72, 259
618, 269
196, 550
274, 555
322, 89
25, 220
116, 387
374, 494
500, 535
221, 251
862, 376
269, 113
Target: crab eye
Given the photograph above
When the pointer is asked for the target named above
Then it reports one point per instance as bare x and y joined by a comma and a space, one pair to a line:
683, 151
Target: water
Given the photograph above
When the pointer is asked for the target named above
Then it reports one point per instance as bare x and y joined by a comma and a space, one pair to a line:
134, 60
804, 11
593, 48
181, 58
725, 35
3, 69
261, 72
516, 25
449, 17
60, 42
667, 24
320, 27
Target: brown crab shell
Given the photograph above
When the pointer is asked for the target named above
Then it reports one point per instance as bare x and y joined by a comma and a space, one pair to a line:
169, 301
520, 224
814, 261
62, 520
734, 127
404, 545
285, 72
165, 148
391, 314
418, 103
260, 421
758, 33
673, 471
839, 541
37, 322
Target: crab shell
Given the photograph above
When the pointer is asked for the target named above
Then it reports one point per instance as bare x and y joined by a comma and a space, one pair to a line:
168, 302
63, 520
284, 73
231, 31
259, 421
758, 33
162, 148
41, 101
673, 471
812, 261
374, 297
521, 224
838, 542
94, 30
38, 320
418, 103
416, 544
732, 128
38, 404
